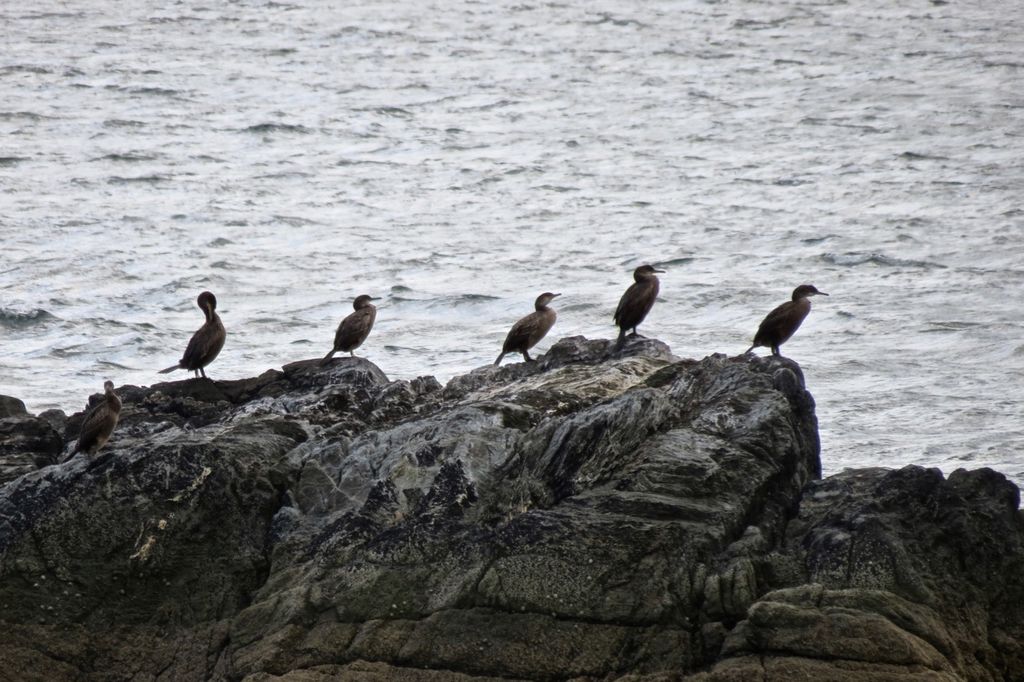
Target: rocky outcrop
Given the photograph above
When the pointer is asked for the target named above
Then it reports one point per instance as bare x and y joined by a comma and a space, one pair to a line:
593, 515
901, 575
27, 442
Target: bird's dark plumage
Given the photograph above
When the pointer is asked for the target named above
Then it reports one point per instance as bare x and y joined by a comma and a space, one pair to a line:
100, 422
354, 329
525, 333
782, 323
636, 302
206, 343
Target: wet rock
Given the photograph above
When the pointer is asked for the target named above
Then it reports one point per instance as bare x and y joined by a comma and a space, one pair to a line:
903, 574
27, 442
11, 407
591, 515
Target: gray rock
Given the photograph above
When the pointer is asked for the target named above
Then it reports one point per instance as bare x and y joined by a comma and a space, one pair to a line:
899, 575
591, 515
11, 407
27, 442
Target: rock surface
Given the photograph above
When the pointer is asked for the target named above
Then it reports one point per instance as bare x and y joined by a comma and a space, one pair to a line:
593, 515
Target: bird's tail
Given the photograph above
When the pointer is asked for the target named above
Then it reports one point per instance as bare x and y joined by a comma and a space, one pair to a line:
327, 358
621, 341
750, 349
170, 369
498, 361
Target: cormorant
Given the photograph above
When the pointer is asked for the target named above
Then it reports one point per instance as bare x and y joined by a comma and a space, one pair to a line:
100, 422
781, 323
206, 343
354, 329
636, 302
525, 333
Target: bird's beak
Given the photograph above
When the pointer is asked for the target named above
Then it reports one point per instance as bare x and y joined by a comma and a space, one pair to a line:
553, 295
823, 293
661, 271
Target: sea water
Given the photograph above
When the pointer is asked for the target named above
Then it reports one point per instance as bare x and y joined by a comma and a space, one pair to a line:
456, 159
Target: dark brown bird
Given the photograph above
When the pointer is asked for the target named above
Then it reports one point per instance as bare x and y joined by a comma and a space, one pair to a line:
206, 343
100, 422
525, 333
354, 329
636, 302
781, 323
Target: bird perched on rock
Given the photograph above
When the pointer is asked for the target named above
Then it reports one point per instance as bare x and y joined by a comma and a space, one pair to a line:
781, 323
354, 329
636, 302
525, 333
206, 343
100, 422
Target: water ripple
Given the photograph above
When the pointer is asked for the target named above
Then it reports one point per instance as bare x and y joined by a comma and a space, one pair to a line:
854, 258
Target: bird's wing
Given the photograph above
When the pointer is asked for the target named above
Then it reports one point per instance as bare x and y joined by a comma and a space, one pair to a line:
194, 349
356, 325
782, 314
777, 313
635, 304
207, 341
92, 424
519, 334
624, 302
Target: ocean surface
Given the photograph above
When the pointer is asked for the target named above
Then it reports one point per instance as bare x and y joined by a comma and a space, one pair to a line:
457, 159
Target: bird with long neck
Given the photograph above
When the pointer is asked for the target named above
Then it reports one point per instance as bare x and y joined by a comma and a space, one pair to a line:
782, 322
206, 343
636, 302
100, 422
354, 329
525, 333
